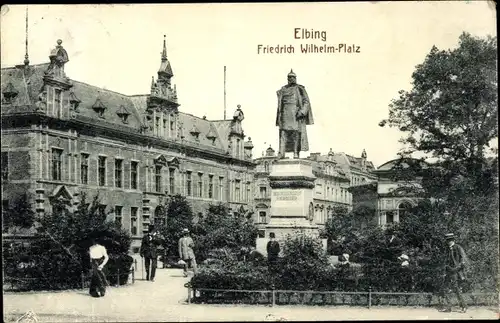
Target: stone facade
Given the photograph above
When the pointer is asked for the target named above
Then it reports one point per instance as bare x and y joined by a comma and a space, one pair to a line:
62, 138
335, 173
397, 189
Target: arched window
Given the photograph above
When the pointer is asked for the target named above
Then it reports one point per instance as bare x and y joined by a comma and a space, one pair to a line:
403, 209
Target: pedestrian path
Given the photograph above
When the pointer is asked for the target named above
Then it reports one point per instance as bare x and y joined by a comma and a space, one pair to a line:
164, 300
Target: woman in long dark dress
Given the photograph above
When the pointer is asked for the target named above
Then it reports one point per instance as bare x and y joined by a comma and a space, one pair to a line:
98, 259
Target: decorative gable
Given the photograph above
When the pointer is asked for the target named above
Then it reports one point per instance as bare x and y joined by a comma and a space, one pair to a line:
173, 162
161, 160
74, 101
211, 136
123, 113
194, 132
99, 108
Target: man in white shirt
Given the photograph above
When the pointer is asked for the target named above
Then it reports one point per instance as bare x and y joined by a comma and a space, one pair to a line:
98, 259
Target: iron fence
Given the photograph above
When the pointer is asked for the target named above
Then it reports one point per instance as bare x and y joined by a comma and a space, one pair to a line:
358, 298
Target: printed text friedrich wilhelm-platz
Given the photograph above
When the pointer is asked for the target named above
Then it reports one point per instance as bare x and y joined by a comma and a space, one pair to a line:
309, 48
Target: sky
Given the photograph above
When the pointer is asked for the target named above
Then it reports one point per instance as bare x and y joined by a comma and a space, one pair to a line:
118, 47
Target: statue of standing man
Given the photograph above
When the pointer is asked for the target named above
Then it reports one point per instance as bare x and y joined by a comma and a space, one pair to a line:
294, 113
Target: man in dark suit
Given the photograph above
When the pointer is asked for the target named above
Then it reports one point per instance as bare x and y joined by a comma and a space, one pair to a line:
149, 251
273, 249
456, 264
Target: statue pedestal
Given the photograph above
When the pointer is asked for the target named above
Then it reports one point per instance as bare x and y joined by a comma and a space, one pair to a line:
292, 184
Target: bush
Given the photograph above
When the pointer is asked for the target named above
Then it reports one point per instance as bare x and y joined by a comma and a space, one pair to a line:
58, 254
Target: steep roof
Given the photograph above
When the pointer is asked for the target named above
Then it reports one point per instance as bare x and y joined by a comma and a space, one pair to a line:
28, 82
112, 101
205, 127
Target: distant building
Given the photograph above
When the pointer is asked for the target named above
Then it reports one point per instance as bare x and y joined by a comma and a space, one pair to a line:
335, 173
397, 189
62, 138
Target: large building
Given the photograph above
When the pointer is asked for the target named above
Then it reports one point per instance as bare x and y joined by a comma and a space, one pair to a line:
335, 173
397, 189
62, 138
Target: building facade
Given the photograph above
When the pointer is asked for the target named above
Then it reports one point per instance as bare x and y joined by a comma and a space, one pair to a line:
335, 173
397, 189
62, 138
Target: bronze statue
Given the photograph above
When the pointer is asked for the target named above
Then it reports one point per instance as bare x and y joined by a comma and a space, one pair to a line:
294, 113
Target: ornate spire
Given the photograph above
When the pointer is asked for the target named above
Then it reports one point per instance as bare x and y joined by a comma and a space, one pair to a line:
164, 52
26, 58
165, 71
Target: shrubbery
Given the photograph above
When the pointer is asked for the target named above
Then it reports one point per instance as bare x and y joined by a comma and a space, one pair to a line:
58, 254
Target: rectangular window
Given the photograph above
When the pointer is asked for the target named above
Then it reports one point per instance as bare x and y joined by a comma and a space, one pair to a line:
133, 174
263, 192
5, 165
237, 190
164, 127
118, 214
133, 220
389, 217
211, 186
248, 195
157, 126
57, 102
189, 183
171, 126
158, 178
237, 148
221, 188
102, 170
84, 168
57, 164
118, 172
171, 180
200, 185
262, 217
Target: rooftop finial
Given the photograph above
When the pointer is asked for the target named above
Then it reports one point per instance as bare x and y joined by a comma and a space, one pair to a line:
164, 53
26, 57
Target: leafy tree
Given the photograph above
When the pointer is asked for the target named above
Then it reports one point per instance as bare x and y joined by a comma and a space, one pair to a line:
451, 111
179, 216
18, 216
58, 253
221, 229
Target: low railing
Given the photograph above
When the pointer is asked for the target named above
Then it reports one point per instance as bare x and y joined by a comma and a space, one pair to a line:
17, 283
361, 298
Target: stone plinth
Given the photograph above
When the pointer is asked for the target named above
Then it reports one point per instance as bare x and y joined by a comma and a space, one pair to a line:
292, 212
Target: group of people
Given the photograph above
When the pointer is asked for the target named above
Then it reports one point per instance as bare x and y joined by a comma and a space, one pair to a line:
149, 251
456, 263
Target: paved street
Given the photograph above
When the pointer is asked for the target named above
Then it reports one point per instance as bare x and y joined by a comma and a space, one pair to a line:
164, 300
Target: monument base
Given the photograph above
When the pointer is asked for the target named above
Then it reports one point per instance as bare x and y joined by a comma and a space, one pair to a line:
292, 184
261, 246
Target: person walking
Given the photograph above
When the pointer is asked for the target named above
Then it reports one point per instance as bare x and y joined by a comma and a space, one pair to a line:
456, 264
149, 252
273, 250
98, 259
186, 253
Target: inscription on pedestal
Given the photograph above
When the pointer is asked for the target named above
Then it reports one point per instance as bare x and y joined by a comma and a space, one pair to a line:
286, 195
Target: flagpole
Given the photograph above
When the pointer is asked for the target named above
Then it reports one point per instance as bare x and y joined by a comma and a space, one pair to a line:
224, 92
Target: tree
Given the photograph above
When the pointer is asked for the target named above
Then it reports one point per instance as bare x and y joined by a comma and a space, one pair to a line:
220, 229
451, 111
179, 216
18, 216
58, 251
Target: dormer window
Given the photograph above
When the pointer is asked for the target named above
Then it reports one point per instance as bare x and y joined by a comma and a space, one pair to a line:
195, 132
9, 93
123, 114
211, 136
74, 101
99, 108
